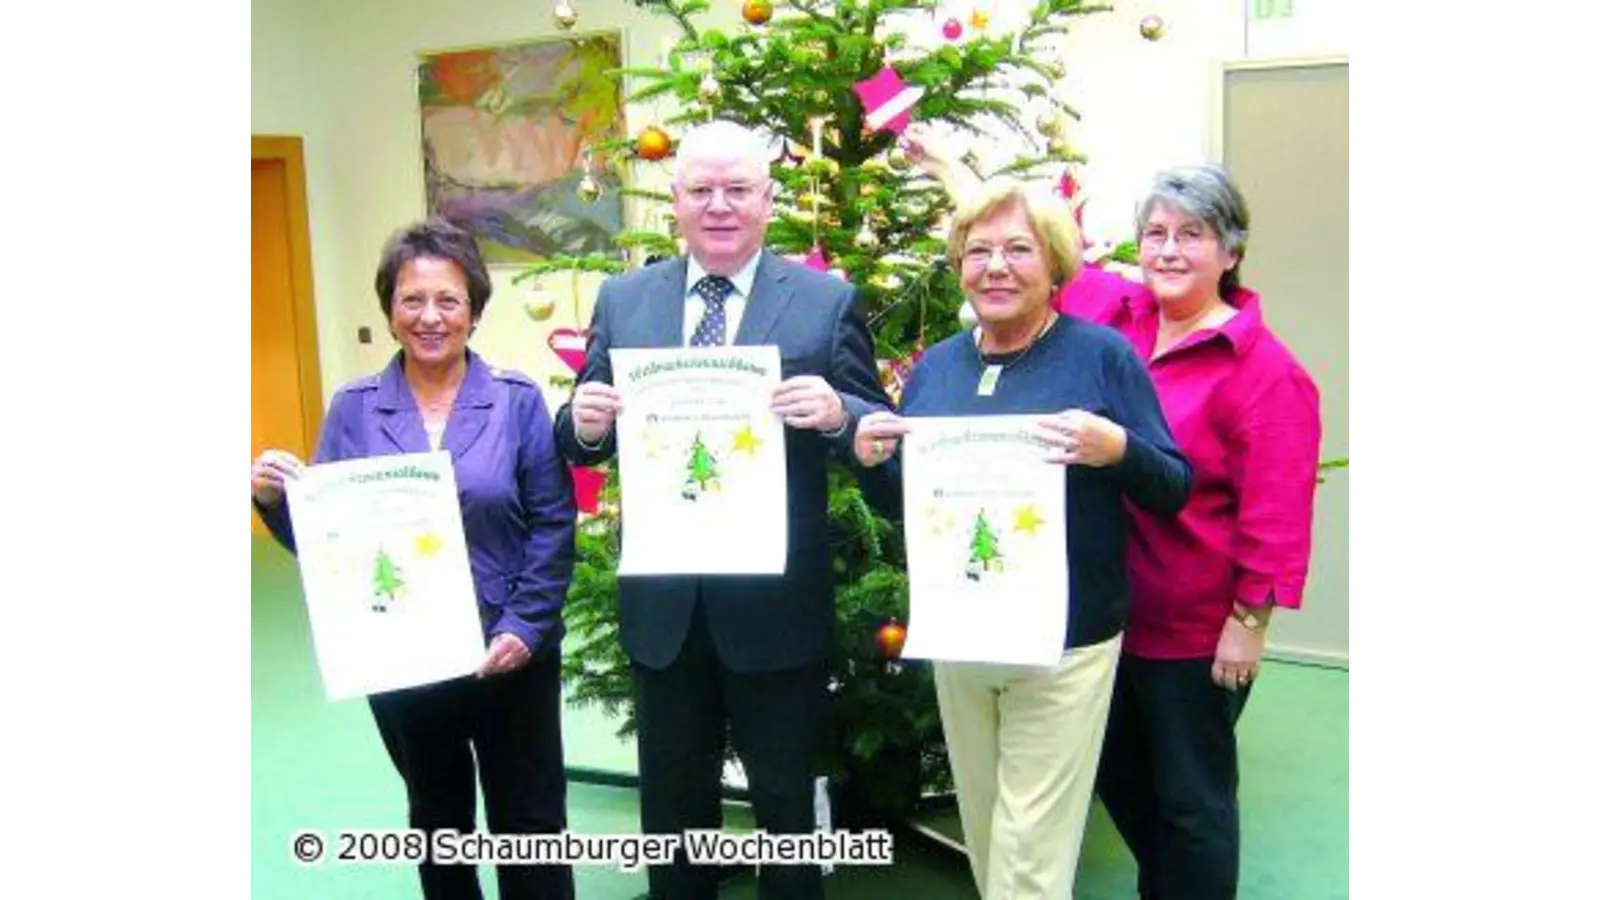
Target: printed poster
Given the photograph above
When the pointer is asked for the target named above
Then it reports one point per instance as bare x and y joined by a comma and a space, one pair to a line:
986, 543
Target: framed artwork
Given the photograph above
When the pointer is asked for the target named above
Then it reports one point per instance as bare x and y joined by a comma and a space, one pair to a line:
507, 133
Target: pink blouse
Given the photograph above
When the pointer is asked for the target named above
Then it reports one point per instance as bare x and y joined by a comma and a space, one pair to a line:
1246, 415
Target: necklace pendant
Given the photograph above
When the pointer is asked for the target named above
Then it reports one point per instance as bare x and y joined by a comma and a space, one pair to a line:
989, 380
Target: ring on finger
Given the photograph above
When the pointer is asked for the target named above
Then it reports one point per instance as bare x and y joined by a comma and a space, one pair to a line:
878, 449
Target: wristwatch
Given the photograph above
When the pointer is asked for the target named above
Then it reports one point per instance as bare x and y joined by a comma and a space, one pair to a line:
1244, 616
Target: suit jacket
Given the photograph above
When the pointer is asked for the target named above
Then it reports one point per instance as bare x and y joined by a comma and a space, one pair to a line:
516, 493
757, 623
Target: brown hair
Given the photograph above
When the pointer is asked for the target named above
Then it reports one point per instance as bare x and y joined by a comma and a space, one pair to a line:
438, 239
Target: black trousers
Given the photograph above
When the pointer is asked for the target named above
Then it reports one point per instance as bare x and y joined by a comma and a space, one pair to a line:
684, 713
512, 722
1169, 776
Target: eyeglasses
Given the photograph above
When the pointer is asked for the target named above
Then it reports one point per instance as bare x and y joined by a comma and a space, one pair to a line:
733, 194
1187, 238
446, 303
977, 256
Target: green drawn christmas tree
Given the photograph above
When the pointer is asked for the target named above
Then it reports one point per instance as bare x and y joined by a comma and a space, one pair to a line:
985, 547
703, 474
386, 582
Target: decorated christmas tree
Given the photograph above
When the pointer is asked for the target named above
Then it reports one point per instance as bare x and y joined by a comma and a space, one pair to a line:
834, 83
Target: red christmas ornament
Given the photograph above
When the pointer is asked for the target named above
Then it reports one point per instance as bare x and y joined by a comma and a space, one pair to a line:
653, 144
757, 12
571, 345
952, 29
891, 638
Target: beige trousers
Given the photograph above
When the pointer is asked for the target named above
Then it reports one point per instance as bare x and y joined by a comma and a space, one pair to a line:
1024, 745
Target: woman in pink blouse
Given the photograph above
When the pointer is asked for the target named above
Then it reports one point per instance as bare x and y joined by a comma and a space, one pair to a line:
1204, 584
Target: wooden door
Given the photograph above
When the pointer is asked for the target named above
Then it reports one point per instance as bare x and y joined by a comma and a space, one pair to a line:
285, 385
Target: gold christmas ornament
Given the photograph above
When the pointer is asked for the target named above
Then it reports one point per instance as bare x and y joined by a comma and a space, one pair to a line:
865, 240
588, 189
1151, 28
1050, 124
811, 200
821, 166
565, 16
757, 12
1058, 146
653, 144
540, 305
888, 282
710, 89
898, 161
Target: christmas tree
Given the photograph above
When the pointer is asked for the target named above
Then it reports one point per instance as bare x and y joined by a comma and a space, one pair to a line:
702, 470
827, 81
985, 549
386, 582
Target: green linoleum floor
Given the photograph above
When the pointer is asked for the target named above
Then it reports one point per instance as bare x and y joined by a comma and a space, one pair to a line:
316, 764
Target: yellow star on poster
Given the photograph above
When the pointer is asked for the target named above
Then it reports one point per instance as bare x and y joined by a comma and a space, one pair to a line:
1027, 520
428, 544
980, 19
746, 440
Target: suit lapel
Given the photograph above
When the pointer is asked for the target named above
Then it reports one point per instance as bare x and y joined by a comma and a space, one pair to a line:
664, 303
769, 297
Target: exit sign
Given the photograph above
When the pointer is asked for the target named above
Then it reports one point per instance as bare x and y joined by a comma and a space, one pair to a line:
1271, 9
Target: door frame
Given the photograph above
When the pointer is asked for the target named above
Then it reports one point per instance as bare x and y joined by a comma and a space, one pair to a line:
290, 151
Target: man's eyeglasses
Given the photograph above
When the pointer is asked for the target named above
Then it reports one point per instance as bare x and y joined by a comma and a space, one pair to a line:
733, 194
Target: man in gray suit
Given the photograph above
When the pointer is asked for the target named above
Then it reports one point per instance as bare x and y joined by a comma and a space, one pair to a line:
715, 651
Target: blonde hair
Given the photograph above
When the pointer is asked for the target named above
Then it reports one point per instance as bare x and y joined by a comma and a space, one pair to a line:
1048, 215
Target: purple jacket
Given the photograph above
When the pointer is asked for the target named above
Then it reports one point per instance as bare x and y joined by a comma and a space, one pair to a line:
516, 493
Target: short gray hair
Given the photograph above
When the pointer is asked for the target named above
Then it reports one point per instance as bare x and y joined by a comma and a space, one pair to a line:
723, 136
1209, 194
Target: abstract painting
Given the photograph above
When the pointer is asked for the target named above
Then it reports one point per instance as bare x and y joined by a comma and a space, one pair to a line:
504, 133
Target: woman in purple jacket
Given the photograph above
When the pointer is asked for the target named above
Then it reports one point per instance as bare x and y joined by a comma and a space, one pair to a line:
518, 514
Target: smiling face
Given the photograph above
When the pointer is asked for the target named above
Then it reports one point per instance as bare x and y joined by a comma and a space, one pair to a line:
723, 200
1005, 269
1182, 257
431, 315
